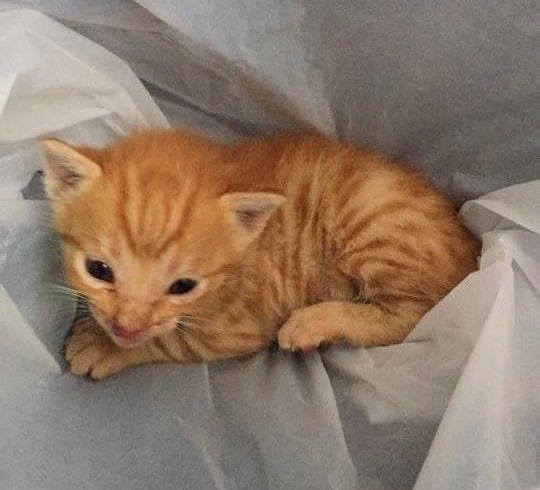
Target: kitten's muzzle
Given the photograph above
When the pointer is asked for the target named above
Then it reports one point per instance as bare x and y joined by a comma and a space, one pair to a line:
125, 332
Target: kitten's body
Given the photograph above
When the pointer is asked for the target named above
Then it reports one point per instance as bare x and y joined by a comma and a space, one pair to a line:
358, 251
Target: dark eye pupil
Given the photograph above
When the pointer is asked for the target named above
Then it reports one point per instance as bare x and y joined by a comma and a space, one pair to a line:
99, 270
182, 286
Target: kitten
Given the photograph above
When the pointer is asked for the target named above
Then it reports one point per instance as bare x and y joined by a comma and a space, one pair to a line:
189, 250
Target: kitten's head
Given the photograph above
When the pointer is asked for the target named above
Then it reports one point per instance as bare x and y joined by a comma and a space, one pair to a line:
150, 233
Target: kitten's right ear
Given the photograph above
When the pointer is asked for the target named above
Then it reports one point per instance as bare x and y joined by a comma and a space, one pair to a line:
249, 212
67, 171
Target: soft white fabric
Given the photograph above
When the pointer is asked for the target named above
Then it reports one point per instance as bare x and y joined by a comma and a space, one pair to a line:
456, 406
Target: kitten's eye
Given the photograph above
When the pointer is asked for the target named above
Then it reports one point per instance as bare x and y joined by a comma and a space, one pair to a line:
182, 286
99, 270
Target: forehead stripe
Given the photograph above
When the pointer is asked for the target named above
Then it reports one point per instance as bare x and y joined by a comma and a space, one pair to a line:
124, 222
183, 212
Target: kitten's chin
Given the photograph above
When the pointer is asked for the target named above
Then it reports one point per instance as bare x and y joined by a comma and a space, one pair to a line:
126, 342
129, 343
135, 340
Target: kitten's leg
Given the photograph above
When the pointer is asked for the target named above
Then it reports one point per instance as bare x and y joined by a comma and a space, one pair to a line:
399, 290
356, 324
89, 351
400, 274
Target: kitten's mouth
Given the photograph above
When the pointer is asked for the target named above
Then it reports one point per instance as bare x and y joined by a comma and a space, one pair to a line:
135, 338
132, 341
128, 339
119, 336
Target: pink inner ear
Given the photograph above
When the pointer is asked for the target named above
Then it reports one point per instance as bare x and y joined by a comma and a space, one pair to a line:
248, 217
64, 175
251, 210
67, 176
66, 169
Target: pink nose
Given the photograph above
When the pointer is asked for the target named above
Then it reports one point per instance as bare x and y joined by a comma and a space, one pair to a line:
125, 332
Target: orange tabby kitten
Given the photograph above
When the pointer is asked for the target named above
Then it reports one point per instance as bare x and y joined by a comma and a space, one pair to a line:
189, 250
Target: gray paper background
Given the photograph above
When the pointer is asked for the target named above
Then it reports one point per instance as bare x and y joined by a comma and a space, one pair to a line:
449, 85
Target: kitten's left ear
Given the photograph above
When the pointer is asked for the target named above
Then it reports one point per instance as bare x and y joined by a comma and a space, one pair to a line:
67, 171
249, 212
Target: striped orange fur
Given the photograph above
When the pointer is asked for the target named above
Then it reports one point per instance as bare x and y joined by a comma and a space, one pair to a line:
296, 238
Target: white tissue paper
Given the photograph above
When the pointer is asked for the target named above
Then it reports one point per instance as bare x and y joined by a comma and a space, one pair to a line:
455, 406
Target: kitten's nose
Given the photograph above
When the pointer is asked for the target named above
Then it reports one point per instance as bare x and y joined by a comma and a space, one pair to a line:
125, 332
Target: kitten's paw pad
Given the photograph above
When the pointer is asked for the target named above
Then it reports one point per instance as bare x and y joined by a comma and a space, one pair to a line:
300, 333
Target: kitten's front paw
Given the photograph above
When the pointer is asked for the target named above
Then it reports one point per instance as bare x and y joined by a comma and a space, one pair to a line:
303, 331
90, 352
